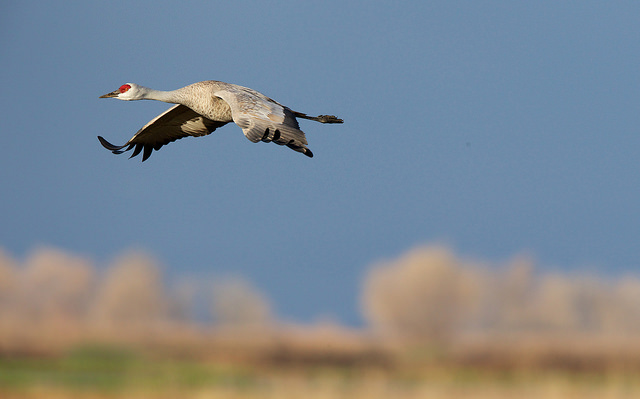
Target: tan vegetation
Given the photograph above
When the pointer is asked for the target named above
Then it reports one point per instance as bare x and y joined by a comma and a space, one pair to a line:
438, 326
429, 293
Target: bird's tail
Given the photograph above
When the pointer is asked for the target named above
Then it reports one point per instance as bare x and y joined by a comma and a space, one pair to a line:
319, 118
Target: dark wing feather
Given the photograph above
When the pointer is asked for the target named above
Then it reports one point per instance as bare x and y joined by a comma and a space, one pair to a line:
175, 123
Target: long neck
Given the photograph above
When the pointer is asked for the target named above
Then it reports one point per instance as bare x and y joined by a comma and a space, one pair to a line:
172, 96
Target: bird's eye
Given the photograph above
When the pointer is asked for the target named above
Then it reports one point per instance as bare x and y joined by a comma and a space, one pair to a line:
124, 88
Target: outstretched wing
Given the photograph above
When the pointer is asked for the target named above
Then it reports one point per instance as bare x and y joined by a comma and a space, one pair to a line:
263, 119
175, 123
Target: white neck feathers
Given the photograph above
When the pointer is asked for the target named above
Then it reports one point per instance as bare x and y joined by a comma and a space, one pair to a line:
159, 95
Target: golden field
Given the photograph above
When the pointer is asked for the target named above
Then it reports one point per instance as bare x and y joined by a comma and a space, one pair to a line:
315, 367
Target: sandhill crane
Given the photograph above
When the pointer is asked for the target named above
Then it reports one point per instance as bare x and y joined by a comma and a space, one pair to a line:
203, 107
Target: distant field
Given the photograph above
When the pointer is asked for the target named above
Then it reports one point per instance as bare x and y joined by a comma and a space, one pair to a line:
438, 328
95, 372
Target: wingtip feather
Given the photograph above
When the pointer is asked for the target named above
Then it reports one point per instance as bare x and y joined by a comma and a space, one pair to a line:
108, 145
146, 152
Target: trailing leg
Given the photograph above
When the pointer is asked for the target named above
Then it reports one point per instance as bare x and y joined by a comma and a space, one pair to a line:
319, 118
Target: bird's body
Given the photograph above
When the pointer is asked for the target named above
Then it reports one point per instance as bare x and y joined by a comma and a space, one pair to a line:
204, 106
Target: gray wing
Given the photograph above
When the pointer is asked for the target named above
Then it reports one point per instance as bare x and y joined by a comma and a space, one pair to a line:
263, 119
175, 123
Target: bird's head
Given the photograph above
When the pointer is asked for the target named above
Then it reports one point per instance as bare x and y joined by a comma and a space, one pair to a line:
128, 92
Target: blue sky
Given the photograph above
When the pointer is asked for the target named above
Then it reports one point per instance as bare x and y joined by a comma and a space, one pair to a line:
497, 128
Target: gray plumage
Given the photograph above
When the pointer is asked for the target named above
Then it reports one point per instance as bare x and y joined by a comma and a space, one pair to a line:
205, 106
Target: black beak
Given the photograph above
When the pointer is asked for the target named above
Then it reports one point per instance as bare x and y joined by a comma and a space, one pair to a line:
112, 94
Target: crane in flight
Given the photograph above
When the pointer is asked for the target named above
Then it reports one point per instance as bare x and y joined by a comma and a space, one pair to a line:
203, 107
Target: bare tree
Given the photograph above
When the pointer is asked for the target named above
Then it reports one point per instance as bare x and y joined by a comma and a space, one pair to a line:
55, 287
237, 303
425, 293
132, 295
